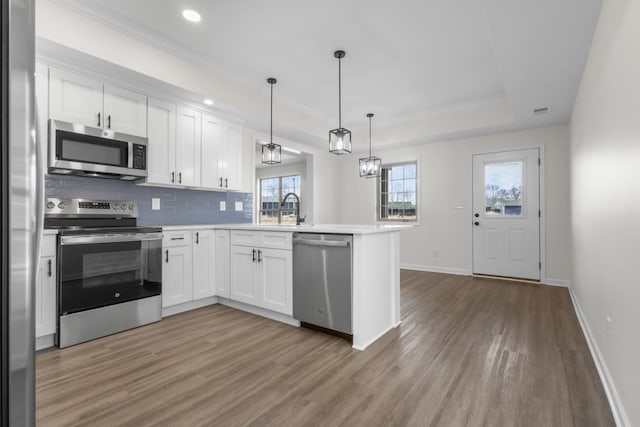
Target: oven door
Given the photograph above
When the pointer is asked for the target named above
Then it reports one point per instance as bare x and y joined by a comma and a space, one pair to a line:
101, 270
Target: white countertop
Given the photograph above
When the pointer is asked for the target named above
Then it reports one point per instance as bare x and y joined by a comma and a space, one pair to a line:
304, 228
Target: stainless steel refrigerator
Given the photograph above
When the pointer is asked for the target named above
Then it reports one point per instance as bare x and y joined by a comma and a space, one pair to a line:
20, 213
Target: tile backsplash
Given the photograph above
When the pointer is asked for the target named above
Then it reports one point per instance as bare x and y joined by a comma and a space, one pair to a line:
177, 206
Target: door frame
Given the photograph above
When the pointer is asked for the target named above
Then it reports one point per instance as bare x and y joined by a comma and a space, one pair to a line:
541, 196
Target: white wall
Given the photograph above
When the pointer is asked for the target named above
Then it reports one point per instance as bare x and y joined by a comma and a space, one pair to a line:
605, 158
445, 179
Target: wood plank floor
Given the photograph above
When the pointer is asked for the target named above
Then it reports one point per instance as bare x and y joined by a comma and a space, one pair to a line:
470, 352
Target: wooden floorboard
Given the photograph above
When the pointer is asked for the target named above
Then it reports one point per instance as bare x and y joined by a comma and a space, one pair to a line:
470, 352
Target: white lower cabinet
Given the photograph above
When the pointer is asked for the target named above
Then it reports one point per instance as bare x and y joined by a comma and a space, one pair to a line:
45, 294
204, 283
262, 276
177, 268
221, 255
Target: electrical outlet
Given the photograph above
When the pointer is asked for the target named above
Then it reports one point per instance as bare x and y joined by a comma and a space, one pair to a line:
608, 325
436, 253
155, 204
239, 207
223, 205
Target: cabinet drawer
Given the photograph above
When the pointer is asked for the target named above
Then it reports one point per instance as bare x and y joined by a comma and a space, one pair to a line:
245, 238
261, 239
48, 246
276, 240
174, 239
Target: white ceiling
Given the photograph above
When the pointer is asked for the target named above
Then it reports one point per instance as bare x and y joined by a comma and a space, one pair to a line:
406, 59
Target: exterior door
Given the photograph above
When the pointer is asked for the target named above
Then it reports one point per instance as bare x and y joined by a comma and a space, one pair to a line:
506, 214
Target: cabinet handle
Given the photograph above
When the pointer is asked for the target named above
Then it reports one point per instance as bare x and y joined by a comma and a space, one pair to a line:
259, 255
220, 182
226, 182
109, 121
197, 238
180, 178
98, 119
173, 176
254, 255
166, 259
49, 268
177, 238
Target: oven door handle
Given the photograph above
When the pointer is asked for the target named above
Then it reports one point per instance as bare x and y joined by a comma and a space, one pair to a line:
108, 238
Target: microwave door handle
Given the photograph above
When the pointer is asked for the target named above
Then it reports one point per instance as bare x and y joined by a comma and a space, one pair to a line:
130, 155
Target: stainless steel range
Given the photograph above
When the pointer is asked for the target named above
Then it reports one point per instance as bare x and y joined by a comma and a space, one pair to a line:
109, 269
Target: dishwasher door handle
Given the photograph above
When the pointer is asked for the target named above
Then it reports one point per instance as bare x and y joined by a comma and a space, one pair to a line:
331, 243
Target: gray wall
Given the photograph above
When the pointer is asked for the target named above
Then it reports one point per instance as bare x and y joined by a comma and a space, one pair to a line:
177, 206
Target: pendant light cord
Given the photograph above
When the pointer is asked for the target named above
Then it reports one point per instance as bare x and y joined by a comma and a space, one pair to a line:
339, 93
271, 122
369, 136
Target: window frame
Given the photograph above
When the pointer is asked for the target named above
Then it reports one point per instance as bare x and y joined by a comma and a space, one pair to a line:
378, 218
280, 207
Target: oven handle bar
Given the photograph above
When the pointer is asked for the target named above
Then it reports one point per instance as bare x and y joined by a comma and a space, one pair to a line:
109, 238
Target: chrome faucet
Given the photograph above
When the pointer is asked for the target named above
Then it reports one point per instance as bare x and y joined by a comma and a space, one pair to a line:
284, 199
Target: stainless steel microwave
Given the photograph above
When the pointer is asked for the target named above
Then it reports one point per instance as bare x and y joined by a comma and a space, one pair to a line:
84, 150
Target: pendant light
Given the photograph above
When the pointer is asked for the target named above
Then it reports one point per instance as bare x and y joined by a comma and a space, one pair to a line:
271, 153
370, 166
340, 138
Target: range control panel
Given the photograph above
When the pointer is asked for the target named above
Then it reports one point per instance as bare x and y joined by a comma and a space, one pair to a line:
55, 207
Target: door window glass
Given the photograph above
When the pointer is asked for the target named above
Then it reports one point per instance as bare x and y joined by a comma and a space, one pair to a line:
503, 189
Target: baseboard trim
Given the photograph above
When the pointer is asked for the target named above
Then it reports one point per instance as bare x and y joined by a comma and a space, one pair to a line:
435, 269
362, 347
619, 415
45, 342
558, 282
187, 306
259, 311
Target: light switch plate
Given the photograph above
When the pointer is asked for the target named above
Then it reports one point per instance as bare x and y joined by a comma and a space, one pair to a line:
239, 207
155, 204
223, 205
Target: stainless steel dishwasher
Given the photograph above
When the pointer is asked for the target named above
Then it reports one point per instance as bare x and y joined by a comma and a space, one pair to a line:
322, 281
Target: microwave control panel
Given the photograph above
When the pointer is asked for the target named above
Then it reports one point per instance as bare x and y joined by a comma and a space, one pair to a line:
139, 156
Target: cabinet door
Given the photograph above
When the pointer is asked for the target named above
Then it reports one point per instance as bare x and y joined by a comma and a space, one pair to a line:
232, 157
75, 99
45, 297
211, 177
242, 283
203, 264
222, 262
177, 275
125, 111
275, 279
188, 145
161, 151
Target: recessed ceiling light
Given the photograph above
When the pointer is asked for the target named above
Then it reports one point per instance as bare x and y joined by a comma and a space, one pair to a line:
191, 15
208, 101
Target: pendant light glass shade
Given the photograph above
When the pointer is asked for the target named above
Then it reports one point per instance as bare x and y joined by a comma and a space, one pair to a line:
340, 138
370, 167
271, 153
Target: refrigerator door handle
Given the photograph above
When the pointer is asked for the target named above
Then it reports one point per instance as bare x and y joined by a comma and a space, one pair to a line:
39, 184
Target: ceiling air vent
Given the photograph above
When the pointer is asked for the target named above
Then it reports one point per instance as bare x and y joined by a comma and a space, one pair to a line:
541, 110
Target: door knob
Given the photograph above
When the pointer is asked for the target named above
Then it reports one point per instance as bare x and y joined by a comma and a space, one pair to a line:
476, 223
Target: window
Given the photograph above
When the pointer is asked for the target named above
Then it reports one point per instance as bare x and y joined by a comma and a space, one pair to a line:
272, 190
398, 192
503, 189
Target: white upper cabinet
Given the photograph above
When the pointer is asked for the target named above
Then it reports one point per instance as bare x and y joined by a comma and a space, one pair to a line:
188, 146
81, 100
231, 164
211, 152
75, 99
125, 111
161, 151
